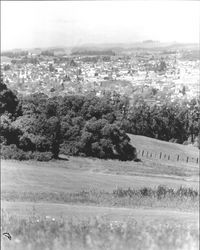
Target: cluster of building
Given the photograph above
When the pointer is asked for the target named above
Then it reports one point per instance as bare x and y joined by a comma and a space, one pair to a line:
129, 75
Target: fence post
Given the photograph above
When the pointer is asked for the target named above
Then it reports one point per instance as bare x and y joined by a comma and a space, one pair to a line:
197, 160
187, 159
151, 155
147, 154
168, 157
160, 155
178, 158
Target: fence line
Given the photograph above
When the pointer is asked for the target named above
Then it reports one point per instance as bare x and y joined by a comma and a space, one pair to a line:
167, 157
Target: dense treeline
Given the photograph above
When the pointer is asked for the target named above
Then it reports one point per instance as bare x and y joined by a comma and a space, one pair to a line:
171, 121
74, 125
90, 125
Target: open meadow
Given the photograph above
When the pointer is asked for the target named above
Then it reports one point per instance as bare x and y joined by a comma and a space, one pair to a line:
87, 203
100, 125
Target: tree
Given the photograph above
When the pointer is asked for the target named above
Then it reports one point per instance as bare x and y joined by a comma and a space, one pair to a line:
8, 100
9, 133
52, 131
104, 140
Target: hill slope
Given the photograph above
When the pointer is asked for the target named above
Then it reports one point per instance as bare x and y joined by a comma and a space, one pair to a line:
155, 146
39, 190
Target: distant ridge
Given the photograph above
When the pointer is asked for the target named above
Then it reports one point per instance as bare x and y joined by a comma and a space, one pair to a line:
146, 44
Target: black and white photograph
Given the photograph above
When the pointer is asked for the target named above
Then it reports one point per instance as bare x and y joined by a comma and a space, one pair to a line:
100, 125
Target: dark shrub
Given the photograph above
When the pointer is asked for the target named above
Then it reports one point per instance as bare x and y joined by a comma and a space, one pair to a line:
161, 191
186, 192
25, 143
12, 152
138, 160
146, 191
42, 144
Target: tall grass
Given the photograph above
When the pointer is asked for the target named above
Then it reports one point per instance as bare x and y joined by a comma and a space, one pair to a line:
160, 192
181, 198
42, 233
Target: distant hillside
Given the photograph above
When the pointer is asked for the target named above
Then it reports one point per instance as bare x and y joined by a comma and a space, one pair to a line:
92, 52
137, 45
114, 47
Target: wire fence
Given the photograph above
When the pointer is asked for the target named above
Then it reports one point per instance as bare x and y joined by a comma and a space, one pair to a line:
142, 153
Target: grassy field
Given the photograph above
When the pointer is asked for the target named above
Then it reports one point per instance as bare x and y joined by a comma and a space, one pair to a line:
82, 173
68, 211
86, 203
97, 233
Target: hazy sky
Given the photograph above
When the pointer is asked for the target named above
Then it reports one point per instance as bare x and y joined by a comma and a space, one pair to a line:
59, 23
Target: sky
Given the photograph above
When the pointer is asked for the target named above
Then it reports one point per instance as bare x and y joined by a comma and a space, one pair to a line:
31, 24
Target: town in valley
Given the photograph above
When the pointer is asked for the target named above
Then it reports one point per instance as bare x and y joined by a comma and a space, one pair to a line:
149, 69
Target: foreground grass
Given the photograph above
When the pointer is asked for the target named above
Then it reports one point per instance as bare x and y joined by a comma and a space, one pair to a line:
182, 198
44, 233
